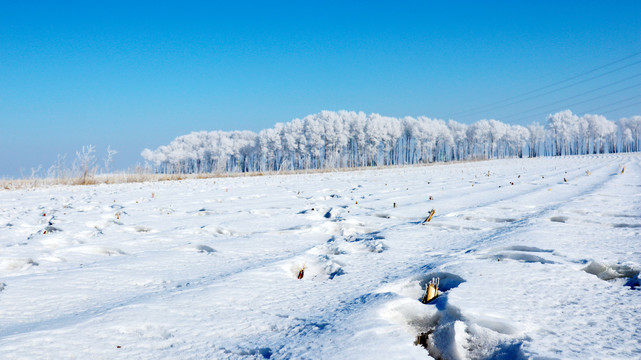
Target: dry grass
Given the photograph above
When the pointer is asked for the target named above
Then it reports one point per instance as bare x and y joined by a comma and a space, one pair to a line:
100, 179
138, 177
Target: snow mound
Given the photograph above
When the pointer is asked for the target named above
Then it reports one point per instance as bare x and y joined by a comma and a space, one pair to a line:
610, 272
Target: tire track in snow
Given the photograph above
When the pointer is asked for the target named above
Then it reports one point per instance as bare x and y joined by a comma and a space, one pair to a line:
102, 309
525, 220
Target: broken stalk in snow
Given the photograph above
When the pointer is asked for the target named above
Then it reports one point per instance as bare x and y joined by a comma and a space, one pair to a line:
431, 291
429, 217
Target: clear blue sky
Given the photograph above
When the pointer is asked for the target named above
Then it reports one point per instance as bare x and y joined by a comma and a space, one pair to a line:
135, 75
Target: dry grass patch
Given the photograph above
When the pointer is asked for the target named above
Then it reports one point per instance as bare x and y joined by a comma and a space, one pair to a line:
140, 177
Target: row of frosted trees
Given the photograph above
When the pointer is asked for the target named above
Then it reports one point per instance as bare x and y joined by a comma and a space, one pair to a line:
349, 139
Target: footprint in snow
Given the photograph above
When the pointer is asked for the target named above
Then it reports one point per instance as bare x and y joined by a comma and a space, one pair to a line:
265, 353
447, 281
491, 219
630, 273
200, 248
559, 219
520, 253
371, 242
139, 229
320, 213
215, 230
522, 257
329, 248
50, 229
319, 267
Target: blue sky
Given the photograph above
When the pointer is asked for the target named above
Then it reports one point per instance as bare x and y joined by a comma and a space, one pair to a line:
135, 76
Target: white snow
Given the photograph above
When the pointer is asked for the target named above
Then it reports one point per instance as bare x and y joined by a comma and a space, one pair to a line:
202, 269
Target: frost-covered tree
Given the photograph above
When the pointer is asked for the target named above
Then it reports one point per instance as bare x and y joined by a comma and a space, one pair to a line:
600, 136
536, 139
346, 139
109, 157
478, 135
630, 129
85, 163
563, 127
459, 137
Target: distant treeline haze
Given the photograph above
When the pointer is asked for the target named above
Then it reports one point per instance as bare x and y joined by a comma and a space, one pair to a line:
349, 139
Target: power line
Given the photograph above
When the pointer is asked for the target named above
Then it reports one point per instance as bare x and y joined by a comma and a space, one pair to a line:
600, 108
557, 89
566, 107
573, 104
622, 107
475, 109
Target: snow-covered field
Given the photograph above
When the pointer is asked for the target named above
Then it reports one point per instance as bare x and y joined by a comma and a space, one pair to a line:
530, 265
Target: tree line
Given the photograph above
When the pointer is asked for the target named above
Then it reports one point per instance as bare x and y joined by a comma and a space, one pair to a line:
350, 139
